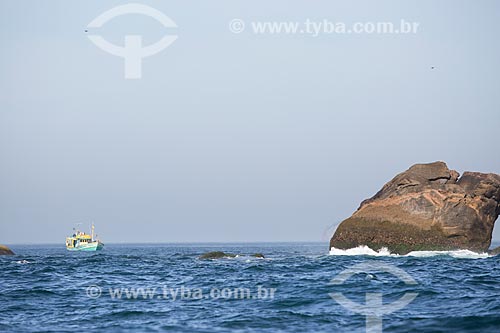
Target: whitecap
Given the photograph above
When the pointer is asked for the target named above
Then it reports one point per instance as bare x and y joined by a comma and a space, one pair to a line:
364, 250
460, 254
23, 262
361, 250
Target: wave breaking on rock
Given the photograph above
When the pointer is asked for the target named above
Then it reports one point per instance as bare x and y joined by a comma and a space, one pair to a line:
364, 250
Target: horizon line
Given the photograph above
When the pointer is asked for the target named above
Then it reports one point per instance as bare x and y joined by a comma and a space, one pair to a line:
182, 242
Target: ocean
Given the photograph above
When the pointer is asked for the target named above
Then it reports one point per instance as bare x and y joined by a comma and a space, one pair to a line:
166, 287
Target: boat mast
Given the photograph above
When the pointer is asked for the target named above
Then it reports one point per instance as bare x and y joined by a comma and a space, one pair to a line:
92, 231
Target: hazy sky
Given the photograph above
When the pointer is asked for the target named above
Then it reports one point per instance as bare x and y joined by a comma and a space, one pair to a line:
234, 137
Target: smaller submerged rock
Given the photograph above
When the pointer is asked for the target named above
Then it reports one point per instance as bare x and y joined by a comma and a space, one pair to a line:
4, 251
258, 255
217, 255
495, 251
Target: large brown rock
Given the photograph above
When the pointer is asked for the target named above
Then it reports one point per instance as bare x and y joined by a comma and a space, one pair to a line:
427, 207
4, 250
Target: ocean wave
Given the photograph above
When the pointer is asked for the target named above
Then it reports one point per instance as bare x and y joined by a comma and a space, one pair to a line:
364, 250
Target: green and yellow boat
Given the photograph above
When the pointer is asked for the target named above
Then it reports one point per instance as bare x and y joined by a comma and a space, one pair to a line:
80, 241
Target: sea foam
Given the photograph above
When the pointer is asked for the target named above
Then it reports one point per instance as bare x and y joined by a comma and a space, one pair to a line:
364, 250
23, 262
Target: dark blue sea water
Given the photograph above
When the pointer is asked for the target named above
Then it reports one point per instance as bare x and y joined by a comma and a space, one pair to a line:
47, 289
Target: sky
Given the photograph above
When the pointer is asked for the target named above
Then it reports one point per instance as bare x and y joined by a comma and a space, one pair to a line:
234, 137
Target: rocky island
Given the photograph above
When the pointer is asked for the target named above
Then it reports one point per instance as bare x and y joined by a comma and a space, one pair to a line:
4, 250
427, 207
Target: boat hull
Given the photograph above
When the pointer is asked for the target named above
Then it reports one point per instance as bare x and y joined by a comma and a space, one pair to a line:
95, 246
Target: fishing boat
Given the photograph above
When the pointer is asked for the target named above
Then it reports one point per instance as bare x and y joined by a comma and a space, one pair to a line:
81, 241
